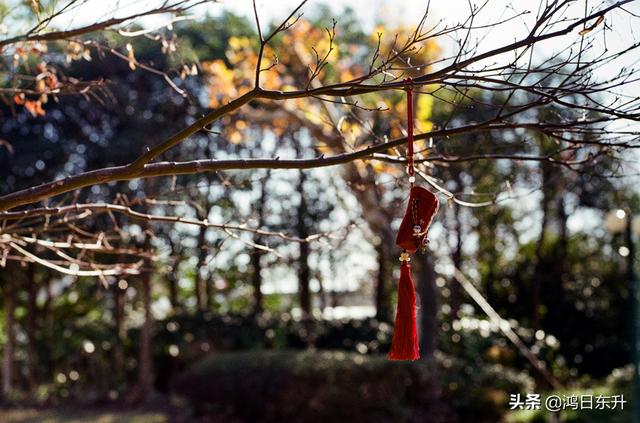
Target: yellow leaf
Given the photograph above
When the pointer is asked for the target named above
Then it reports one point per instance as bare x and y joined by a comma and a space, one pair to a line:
382, 167
424, 107
323, 147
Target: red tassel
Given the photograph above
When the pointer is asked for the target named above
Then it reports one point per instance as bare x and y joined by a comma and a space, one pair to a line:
404, 345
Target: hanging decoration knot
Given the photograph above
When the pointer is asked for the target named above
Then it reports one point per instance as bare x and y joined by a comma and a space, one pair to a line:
412, 236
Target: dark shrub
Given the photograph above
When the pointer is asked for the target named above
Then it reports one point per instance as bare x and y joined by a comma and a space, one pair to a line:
310, 386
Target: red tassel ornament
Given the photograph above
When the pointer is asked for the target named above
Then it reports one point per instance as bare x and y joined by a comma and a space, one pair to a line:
404, 345
412, 236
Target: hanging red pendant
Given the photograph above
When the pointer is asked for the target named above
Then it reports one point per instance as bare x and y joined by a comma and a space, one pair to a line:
412, 235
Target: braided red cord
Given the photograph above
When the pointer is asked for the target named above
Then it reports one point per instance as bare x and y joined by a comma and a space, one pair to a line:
409, 89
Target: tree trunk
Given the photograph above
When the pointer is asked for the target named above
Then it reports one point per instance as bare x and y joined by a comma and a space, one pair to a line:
539, 270
145, 375
304, 272
118, 317
563, 242
47, 324
256, 279
256, 256
322, 294
491, 254
456, 258
9, 346
428, 306
557, 266
208, 292
200, 289
172, 281
172, 278
382, 300
30, 326
303, 279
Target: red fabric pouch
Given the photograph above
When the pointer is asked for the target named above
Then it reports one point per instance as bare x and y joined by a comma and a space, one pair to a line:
422, 206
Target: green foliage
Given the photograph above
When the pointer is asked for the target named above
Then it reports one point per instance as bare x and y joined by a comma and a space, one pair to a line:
209, 38
236, 332
590, 287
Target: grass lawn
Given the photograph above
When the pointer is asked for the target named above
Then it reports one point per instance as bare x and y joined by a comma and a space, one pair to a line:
80, 416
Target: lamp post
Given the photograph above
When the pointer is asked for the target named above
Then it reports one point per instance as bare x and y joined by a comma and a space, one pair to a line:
623, 221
